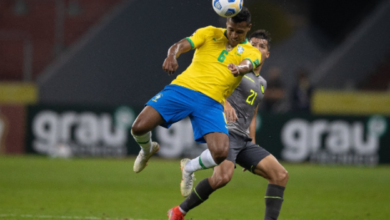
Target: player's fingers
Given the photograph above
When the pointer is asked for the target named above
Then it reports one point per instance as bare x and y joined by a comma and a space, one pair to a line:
174, 67
230, 118
170, 69
233, 69
235, 116
164, 66
166, 70
235, 74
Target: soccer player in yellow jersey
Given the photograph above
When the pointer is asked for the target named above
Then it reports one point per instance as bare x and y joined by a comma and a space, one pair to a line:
241, 110
222, 57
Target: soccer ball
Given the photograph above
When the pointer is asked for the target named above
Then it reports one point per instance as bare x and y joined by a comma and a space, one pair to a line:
227, 8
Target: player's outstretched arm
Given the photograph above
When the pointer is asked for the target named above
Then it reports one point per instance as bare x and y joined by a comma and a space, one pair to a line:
242, 68
170, 64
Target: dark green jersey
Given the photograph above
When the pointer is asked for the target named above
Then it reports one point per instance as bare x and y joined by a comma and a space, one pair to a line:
245, 98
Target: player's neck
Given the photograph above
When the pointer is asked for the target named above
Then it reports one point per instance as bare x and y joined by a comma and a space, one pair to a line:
257, 70
229, 47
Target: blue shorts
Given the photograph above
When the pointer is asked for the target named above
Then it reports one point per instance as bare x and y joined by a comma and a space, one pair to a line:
174, 103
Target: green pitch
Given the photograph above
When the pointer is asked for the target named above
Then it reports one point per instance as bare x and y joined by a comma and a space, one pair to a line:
41, 188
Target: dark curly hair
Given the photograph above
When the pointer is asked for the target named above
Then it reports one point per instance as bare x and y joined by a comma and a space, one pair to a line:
262, 34
244, 15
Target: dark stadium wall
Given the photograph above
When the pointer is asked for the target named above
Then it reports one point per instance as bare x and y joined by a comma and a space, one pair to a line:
351, 62
344, 17
122, 63
12, 129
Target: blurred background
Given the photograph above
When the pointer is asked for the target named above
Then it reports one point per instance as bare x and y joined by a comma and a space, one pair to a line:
75, 73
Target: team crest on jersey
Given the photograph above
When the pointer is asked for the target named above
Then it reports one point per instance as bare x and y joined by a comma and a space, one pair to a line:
157, 97
240, 49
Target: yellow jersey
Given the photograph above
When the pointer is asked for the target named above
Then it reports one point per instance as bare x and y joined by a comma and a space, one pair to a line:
208, 72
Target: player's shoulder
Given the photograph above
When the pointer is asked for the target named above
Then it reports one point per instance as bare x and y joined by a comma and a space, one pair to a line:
248, 47
210, 27
249, 51
215, 29
211, 30
262, 81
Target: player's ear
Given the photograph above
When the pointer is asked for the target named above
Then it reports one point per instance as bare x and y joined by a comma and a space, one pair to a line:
249, 26
228, 21
267, 54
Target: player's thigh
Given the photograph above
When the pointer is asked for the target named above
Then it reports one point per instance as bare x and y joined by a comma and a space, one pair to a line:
222, 174
237, 143
208, 117
148, 119
251, 155
268, 166
218, 143
173, 104
271, 169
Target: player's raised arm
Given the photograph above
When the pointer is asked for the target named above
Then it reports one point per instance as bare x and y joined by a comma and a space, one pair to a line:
170, 64
242, 68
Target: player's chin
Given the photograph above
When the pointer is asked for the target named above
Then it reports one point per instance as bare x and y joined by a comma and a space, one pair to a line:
234, 43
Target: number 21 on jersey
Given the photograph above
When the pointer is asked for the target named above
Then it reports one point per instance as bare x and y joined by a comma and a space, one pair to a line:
251, 98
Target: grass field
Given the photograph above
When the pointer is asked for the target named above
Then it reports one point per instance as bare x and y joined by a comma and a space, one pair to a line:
107, 189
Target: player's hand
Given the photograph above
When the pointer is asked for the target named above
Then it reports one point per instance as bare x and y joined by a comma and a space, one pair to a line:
170, 65
234, 69
243, 169
230, 113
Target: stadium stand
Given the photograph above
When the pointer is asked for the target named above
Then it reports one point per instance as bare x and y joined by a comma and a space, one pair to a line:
359, 54
12, 50
379, 80
43, 28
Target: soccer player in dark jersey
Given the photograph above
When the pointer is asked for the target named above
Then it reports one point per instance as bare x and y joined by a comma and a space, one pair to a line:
241, 110
222, 57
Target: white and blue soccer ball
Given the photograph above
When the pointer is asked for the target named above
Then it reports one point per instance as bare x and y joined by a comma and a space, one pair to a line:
227, 8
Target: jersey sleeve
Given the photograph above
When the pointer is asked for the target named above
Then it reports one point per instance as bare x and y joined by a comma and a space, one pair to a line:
199, 37
254, 57
263, 84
